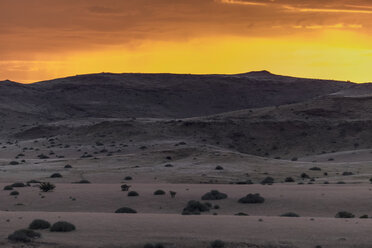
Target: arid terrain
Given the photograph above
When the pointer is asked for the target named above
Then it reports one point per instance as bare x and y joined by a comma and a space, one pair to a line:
304, 145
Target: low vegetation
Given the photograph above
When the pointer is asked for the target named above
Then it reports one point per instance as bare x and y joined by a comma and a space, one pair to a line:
214, 195
62, 226
39, 224
252, 199
195, 208
125, 210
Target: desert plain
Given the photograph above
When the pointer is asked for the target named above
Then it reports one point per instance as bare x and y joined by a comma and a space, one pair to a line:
304, 145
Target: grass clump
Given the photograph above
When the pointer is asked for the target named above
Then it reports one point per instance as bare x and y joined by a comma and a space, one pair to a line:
214, 195
195, 208
289, 180
133, 193
45, 187
344, 214
8, 187
217, 244
125, 210
267, 180
18, 185
24, 236
159, 192
62, 226
290, 214
56, 175
39, 224
252, 199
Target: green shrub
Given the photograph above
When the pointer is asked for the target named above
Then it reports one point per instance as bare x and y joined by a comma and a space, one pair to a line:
252, 198
18, 185
344, 214
39, 224
125, 210
159, 192
62, 226
45, 187
267, 180
290, 214
133, 193
347, 173
364, 216
241, 214
195, 207
217, 244
56, 175
214, 195
23, 235
83, 181
14, 193
8, 187
289, 180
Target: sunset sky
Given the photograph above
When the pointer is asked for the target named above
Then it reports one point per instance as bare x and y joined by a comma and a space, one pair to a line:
45, 39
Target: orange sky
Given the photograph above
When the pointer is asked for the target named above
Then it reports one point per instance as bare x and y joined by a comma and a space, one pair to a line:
44, 39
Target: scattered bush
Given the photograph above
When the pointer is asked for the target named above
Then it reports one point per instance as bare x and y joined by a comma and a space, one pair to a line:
168, 165
62, 226
252, 198
83, 181
56, 175
290, 214
148, 245
315, 169
289, 180
344, 214
364, 216
125, 210
172, 194
14, 193
128, 178
39, 224
23, 235
133, 193
8, 187
45, 187
267, 180
305, 176
125, 187
67, 166
347, 173
214, 195
218, 167
294, 159
195, 207
14, 163
159, 192
241, 214
18, 185
217, 244
33, 181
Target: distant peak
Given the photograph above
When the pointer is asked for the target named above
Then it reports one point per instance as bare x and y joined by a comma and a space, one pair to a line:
260, 73
7, 82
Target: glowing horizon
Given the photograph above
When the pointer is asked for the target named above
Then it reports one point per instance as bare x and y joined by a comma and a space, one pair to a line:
311, 39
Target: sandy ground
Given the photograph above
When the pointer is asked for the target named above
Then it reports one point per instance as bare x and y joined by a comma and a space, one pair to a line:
113, 230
